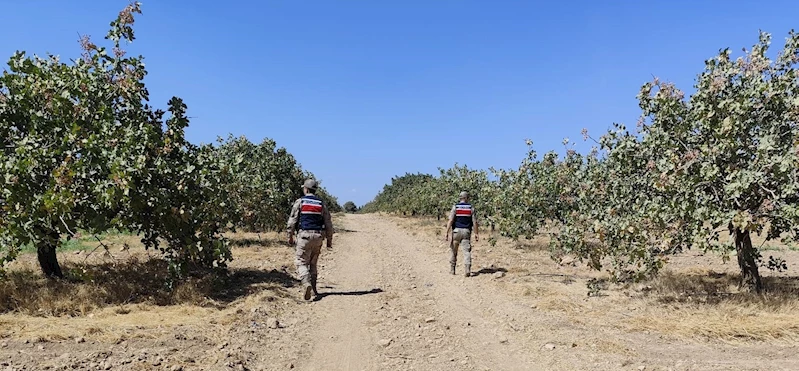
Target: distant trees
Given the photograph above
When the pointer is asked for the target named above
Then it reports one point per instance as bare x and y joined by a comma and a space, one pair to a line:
350, 207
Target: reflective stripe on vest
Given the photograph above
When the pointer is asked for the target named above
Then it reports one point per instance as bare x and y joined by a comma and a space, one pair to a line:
311, 213
463, 215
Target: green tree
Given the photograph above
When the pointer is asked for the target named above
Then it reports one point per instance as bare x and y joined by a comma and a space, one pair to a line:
730, 153
424, 194
412, 194
723, 161
350, 207
81, 149
614, 217
264, 182
537, 193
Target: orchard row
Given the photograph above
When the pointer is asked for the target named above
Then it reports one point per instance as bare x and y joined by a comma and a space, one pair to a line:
706, 171
82, 151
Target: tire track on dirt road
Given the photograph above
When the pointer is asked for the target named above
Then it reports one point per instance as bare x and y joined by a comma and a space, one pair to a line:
442, 322
424, 318
348, 294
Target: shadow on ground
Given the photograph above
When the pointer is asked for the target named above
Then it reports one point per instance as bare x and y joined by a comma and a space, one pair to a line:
253, 241
244, 282
490, 270
344, 230
323, 295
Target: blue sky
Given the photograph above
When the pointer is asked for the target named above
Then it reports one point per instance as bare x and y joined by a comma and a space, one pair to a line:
360, 91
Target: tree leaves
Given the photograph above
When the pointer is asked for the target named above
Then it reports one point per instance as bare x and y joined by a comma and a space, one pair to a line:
261, 183
81, 149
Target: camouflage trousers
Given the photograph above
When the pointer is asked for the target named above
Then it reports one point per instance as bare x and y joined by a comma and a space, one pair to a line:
309, 246
462, 238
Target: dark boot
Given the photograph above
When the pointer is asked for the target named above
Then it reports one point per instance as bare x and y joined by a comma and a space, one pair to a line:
307, 289
468, 271
313, 285
452, 270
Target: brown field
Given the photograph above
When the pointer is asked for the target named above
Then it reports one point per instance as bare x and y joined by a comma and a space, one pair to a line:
389, 303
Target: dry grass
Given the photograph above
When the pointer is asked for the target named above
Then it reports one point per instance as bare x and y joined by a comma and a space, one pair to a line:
702, 304
689, 301
705, 286
107, 325
90, 287
727, 322
119, 299
139, 279
129, 282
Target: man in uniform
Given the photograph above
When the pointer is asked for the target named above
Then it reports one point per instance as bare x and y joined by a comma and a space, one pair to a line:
462, 217
312, 223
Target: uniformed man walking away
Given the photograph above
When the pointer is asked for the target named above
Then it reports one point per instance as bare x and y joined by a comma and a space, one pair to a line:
311, 220
463, 219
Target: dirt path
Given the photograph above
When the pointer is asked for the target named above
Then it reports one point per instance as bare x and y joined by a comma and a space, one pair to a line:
423, 318
388, 303
392, 304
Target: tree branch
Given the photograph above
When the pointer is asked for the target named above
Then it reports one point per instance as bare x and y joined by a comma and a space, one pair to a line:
66, 226
768, 190
104, 246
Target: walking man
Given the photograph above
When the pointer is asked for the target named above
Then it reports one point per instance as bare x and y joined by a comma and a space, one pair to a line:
463, 219
311, 220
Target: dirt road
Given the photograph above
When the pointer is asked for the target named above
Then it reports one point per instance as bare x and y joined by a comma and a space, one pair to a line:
392, 304
388, 303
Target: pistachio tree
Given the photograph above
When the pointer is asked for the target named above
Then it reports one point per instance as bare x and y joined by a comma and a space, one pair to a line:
424, 194
410, 194
616, 219
538, 193
706, 171
265, 181
729, 154
81, 149
350, 207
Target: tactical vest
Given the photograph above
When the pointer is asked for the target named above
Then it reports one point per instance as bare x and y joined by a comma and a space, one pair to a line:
463, 215
311, 218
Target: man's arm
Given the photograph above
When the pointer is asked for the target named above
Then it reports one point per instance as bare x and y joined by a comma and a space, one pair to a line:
328, 226
449, 224
475, 226
293, 218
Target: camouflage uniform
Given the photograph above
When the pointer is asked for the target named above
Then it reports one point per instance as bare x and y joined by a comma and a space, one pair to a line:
310, 236
463, 218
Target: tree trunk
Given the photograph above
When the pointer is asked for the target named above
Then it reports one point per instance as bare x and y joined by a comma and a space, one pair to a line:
47, 257
750, 277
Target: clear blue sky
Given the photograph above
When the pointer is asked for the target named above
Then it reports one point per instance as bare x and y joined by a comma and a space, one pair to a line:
360, 91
